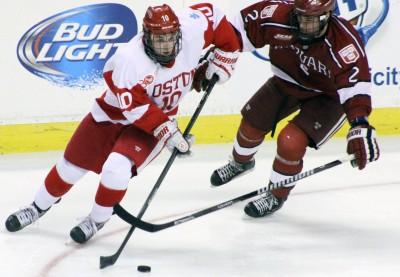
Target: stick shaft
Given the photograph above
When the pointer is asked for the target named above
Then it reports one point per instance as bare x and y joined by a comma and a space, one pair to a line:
110, 260
157, 227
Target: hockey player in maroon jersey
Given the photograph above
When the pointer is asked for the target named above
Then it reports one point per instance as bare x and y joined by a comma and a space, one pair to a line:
132, 121
321, 69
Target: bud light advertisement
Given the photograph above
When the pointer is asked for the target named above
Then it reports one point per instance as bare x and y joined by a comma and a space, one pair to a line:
71, 47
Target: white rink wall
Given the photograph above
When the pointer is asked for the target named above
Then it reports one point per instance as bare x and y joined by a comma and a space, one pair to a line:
26, 98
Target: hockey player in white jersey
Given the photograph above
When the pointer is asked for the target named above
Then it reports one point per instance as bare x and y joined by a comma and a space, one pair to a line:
132, 121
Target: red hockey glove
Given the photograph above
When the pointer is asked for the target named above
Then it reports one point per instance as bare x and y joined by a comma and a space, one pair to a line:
361, 141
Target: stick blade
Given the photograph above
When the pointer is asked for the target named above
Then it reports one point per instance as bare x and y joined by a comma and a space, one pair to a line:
133, 220
106, 261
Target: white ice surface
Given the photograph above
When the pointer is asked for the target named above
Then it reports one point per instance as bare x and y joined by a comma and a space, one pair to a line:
341, 222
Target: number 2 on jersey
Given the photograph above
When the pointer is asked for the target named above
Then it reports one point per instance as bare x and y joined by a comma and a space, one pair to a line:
353, 78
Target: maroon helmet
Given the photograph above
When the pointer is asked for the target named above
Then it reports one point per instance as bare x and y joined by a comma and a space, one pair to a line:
311, 18
162, 35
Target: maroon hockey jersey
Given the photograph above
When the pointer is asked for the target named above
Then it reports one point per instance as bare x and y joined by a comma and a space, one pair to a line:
335, 64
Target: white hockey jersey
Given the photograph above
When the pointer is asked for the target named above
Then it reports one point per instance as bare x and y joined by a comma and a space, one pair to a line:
144, 93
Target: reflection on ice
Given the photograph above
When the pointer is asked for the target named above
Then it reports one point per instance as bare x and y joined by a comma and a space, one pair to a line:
341, 222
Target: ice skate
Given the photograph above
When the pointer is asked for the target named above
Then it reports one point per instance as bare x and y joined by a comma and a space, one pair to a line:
23, 218
85, 230
266, 205
229, 171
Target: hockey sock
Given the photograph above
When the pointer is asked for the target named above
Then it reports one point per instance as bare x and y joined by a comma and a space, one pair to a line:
248, 141
51, 190
106, 198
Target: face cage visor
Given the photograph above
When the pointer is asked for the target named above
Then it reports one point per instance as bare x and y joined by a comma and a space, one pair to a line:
311, 27
164, 47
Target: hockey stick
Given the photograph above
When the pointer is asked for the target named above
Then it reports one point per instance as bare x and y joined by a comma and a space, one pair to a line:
110, 260
149, 227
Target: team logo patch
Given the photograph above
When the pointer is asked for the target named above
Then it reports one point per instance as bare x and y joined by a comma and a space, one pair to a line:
146, 81
268, 11
349, 54
71, 47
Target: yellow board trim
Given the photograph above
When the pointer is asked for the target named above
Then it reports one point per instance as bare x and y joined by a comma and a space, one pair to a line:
41, 137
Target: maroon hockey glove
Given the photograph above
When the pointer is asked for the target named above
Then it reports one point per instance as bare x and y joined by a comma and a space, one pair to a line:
200, 82
361, 141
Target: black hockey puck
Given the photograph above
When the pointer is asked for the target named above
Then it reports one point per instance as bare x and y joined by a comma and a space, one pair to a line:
144, 268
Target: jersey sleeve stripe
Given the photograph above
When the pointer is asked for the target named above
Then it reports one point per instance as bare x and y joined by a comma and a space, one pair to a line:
136, 113
139, 110
100, 115
363, 88
269, 24
332, 53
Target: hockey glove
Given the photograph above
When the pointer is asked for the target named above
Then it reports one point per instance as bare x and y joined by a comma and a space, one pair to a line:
361, 141
200, 83
190, 139
222, 64
171, 136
